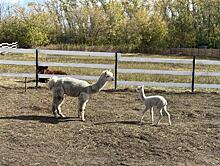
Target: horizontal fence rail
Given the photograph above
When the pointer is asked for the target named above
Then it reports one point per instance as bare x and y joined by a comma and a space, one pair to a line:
159, 60
32, 75
12, 62
168, 84
155, 84
155, 60
59, 52
82, 77
28, 75
13, 45
81, 65
19, 51
161, 72
207, 62
118, 59
76, 53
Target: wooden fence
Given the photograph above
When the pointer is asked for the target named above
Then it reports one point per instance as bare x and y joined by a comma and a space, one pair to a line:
208, 52
118, 59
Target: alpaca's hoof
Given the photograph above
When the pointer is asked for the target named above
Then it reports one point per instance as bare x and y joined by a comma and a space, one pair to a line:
62, 116
57, 116
141, 122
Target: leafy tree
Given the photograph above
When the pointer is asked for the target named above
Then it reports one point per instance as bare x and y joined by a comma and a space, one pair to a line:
134, 25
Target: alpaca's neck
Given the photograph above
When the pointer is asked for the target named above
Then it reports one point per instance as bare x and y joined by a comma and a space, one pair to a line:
95, 88
142, 95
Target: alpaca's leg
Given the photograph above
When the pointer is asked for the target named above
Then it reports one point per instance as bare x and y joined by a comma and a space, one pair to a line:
80, 103
57, 102
59, 108
58, 96
165, 109
82, 109
160, 116
83, 99
152, 115
79, 109
54, 110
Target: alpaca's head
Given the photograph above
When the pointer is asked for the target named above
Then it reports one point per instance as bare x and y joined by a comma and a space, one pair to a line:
107, 75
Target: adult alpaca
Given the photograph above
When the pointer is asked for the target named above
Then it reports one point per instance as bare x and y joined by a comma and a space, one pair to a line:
75, 88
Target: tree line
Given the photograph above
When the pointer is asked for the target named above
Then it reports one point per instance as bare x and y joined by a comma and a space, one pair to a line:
132, 25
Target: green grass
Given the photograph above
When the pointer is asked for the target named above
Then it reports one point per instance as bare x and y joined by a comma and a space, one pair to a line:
124, 65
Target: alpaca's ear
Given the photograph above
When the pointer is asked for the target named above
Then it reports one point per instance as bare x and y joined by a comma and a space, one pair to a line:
109, 70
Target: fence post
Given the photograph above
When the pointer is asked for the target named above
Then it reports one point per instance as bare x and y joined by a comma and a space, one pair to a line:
219, 52
25, 84
116, 68
37, 68
193, 73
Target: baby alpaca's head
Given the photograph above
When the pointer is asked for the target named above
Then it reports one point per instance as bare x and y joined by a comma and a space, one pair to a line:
139, 88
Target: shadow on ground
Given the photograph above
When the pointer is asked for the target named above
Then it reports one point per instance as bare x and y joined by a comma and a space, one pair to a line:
132, 122
41, 119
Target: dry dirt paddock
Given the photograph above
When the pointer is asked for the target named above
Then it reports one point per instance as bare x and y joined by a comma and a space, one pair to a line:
111, 135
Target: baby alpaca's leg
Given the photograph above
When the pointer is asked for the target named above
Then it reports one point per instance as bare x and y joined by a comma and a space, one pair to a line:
160, 116
141, 120
142, 117
165, 109
152, 115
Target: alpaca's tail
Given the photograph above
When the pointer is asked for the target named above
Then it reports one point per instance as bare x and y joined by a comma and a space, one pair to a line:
52, 82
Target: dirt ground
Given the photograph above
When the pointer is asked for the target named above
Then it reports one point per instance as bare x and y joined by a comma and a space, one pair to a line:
111, 135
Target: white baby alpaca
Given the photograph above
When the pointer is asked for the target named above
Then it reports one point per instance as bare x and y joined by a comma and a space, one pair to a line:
152, 102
